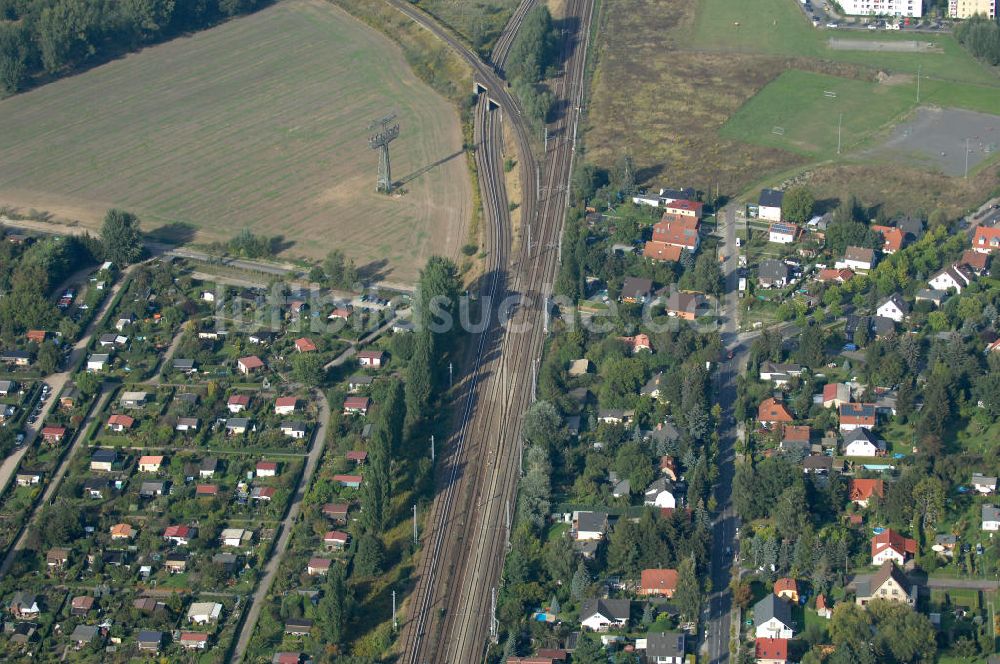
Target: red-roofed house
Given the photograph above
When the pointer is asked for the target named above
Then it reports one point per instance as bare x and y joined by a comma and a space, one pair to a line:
857, 415
318, 566
661, 251
287, 658
357, 456
771, 411
305, 345
150, 463
38, 336
890, 545
788, 588
179, 534
892, 238
680, 232
267, 468
120, 422
860, 491
658, 582
351, 481
771, 651
194, 640
285, 405
976, 262
824, 607
340, 313
335, 540
52, 434
357, 405
371, 358
248, 365
986, 239
683, 209
637, 343
238, 402
835, 395
834, 275
206, 490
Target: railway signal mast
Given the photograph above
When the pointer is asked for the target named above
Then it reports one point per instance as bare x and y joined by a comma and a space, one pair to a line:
385, 133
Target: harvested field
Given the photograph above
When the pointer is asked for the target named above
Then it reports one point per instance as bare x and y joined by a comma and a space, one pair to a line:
259, 123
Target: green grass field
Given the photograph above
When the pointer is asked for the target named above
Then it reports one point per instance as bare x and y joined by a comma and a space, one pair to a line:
259, 123
798, 103
778, 27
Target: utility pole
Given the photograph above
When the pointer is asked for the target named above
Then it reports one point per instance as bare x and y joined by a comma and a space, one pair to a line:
395, 625
918, 83
966, 159
840, 124
414, 524
528, 226
451, 375
432, 448
534, 378
546, 138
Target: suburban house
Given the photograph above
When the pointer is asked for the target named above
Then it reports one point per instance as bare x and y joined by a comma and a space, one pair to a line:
600, 615
894, 307
834, 275
357, 456
772, 618
294, 429
636, 290
201, 613
796, 438
179, 535
206, 490
261, 337
787, 588
193, 640
892, 238
53, 435
658, 582
335, 540
771, 411
771, 651
888, 583
57, 557
953, 277
836, 395
267, 468
660, 494
133, 399
81, 605
688, 305
248, 365
176, 562
263, 493
150, 463
285, 405
186, 424
664, 648
97, 361
857, 415
24, 606
357, 405
19, 358
349, 481
772, 273
780, 233
661, 251
96, 487
235, 536
860, 491
152, 489
184, 365
122, 531
119, 423
891, 546
935, 297
237, 426
336, 511
358, 382
857, 258
824, 607
590, 525
679, 232
778, 373
371, 358
991, 518
149, 640
769, 204
7, 387
986, 239
103, 460
305, 345
637, 343
298, 626
238, 402
318, 566
983, 484
83, 635
682, 208
860, 442
974, 262
340, 313
28, 477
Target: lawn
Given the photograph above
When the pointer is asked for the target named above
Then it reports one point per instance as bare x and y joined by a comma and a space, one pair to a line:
800, 111
778, 27
259, 123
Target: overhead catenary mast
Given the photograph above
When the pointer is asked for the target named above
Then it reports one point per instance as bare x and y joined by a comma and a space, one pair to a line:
385, 133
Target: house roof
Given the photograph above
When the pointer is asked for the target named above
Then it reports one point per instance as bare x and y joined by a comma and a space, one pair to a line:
348, 479
285, 402
991, 513
104, 456
356, 455
149, 459
771, 410
771, 198
239, 400
956, 273
889, 538
251, 362
795, 433
986, 237
594, 522
177, 531
661, 251
862, 489
335, 509
682, 232
978, 261
786, 584
665, 644
772, 269
360, 403
371, 354
685, 205
636, 288
772, 606
897, 300
765, 648
832, 391
662, 580
83, 603
237, 423
53, 431
359, 379
686, 302
319, 563
833, 274
149, 636
892, 238
613, 609
783, 229
979, 479
121, 420
857, 413
859, 254
305, 344
267, 465
887, 571
336, 536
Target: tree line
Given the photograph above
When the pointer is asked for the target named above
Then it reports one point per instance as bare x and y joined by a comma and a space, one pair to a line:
533, 53
55, 37
981, 38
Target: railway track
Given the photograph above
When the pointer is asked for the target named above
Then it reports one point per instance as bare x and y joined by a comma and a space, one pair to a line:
468, 531
501, 50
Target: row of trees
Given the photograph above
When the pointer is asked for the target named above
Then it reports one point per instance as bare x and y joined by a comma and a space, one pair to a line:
981, 37
56, 36
532, 54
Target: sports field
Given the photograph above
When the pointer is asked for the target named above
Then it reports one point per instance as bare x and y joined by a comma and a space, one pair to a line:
258, 123
800, 111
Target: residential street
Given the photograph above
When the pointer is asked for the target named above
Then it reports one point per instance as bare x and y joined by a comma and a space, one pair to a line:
285, 533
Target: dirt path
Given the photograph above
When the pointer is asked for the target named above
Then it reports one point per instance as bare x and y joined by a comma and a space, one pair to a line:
167, 357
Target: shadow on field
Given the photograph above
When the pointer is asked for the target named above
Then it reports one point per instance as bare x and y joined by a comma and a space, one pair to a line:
374, 271
429, 167
279, 244
650, 173
177, 232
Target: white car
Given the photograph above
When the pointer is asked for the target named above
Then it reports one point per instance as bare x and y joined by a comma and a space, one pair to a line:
832, 25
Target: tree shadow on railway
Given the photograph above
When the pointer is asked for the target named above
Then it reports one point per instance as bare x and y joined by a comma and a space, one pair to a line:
406, 179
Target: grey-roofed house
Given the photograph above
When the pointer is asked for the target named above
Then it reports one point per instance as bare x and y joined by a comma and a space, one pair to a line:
932, 295
152, 488
149, 640
96, 487
772, 273
769, 204
84, 634
883, 327
600, 615
636, 289
858, 258
236, 426
573, 425
772, 618
991, 518
7, 386
590, 525
984, 484
665, 648
894, 307
184, 364
889, 584
133, 399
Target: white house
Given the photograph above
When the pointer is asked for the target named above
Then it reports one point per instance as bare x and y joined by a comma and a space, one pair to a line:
769, 204
892, 546
860, 442
954, 276
590, 525
285, 405
991, 518
772, 618
894, 307
97, 361
782, 233
857, 258
201, 613
600, 615
983, 484
234, 536
660, 494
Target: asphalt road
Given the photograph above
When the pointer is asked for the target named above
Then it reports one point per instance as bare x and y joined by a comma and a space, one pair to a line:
285, 533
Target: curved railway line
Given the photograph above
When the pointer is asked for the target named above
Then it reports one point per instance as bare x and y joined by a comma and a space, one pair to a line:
449, 612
